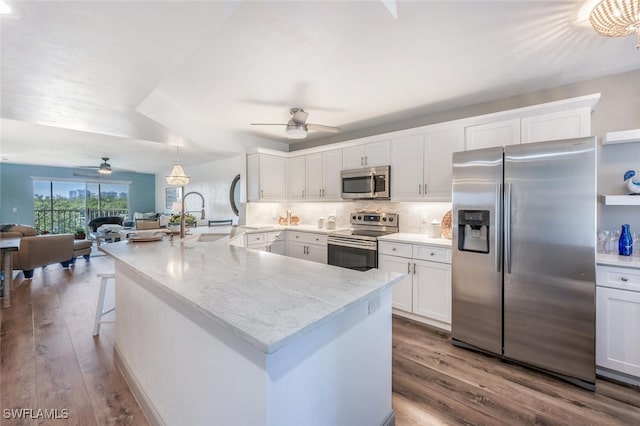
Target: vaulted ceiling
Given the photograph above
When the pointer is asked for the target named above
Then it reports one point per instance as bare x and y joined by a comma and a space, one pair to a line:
130, 80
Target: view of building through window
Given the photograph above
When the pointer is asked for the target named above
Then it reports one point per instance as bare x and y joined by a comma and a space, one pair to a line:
61, 207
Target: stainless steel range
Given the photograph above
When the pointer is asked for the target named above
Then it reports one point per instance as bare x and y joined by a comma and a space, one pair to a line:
357, 248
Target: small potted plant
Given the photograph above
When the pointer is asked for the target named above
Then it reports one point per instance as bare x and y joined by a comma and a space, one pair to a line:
80, 233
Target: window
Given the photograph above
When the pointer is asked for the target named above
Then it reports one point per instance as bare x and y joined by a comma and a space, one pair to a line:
61, 207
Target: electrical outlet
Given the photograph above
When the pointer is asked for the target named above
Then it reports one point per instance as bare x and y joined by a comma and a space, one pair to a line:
424, 218
15, 210
374, 304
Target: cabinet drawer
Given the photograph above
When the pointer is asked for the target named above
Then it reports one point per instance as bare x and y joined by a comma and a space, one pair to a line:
256, 238
313, 238
275, 236
307, 237
622, 278
434, 254
395, 249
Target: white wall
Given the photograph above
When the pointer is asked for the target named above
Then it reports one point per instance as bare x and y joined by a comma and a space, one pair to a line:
213, 181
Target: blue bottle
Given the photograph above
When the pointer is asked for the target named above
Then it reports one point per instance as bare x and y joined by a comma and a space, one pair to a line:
625, 243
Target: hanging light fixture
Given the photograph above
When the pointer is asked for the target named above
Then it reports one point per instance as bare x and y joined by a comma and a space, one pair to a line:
105, 168
177, 177
296, 130
616, 18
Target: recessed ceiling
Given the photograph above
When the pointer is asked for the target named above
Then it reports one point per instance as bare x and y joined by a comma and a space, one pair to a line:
82, 80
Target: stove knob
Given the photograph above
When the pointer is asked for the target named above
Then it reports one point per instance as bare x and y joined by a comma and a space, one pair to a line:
353, 217
384, 219
359, 217
390, 219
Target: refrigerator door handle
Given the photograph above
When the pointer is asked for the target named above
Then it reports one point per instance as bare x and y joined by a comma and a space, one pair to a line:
499, 226
507, 227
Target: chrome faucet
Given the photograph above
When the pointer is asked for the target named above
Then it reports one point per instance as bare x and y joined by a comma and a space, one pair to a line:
182, 233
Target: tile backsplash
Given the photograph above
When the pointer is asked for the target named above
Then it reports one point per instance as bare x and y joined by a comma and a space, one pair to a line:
414, 217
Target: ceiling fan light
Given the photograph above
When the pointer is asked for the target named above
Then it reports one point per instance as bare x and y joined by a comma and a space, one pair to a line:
616, 18
296, 131
105, 169
177, 177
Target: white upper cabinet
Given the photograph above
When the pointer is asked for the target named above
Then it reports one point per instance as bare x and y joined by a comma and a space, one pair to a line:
499, 133
568, 124
265, 177
420, 158
367, 155
407, 168
439, 148
421, 164
315, 176
296, 172
331, 191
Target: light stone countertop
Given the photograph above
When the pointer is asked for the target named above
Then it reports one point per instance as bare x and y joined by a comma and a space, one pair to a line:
613, 259
267, 299
403, 237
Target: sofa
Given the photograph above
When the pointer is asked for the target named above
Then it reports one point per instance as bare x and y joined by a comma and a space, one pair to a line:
96, 223
38, 250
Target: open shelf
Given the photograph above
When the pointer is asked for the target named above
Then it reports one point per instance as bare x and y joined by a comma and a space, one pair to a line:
624, 136
621, 200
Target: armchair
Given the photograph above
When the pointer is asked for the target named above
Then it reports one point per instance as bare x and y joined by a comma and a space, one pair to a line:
39, 250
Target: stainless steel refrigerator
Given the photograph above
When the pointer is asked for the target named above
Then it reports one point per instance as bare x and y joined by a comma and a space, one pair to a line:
523, 267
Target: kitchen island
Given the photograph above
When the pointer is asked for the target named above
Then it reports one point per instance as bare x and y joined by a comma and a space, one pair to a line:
209, 333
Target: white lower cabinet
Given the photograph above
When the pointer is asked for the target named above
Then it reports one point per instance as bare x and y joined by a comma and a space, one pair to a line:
618, 322
432, 290
307, 246
403, 290
273, 242
424, 294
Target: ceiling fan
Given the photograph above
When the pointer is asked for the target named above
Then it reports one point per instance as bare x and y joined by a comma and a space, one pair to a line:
297, 126
103, 169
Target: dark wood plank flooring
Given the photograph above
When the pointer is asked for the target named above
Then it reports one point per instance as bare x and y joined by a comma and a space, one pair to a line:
50, 360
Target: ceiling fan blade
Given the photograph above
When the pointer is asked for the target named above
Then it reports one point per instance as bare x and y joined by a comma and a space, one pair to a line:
323, 128
268, 124
299, 116
90, 175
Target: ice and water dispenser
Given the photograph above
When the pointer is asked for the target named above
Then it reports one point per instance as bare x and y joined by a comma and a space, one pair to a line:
473, 230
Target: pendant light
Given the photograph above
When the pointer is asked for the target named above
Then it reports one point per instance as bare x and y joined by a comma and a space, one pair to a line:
616, 18
177, 177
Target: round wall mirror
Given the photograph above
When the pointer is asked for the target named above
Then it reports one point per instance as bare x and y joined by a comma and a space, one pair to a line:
234, 194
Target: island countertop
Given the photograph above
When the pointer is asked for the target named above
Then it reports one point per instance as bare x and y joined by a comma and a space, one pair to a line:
267, 299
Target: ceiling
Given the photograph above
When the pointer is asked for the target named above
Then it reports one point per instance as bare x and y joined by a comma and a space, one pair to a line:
130, 80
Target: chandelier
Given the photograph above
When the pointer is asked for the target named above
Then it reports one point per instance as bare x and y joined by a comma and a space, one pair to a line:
616, 18
177, 177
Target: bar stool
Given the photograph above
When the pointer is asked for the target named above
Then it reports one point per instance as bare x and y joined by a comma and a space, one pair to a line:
99, 309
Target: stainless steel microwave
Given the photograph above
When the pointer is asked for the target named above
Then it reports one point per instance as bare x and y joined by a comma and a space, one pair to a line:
366, 184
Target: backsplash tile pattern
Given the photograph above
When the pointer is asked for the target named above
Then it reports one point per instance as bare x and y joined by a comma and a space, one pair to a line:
414, 217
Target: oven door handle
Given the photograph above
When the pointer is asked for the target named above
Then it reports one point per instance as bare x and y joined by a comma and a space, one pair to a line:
360, 245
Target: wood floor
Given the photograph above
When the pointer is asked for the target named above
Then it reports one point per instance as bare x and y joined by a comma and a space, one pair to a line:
437, 383
50, 360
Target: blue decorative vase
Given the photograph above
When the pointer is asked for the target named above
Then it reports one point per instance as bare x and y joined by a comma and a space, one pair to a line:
625, 243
